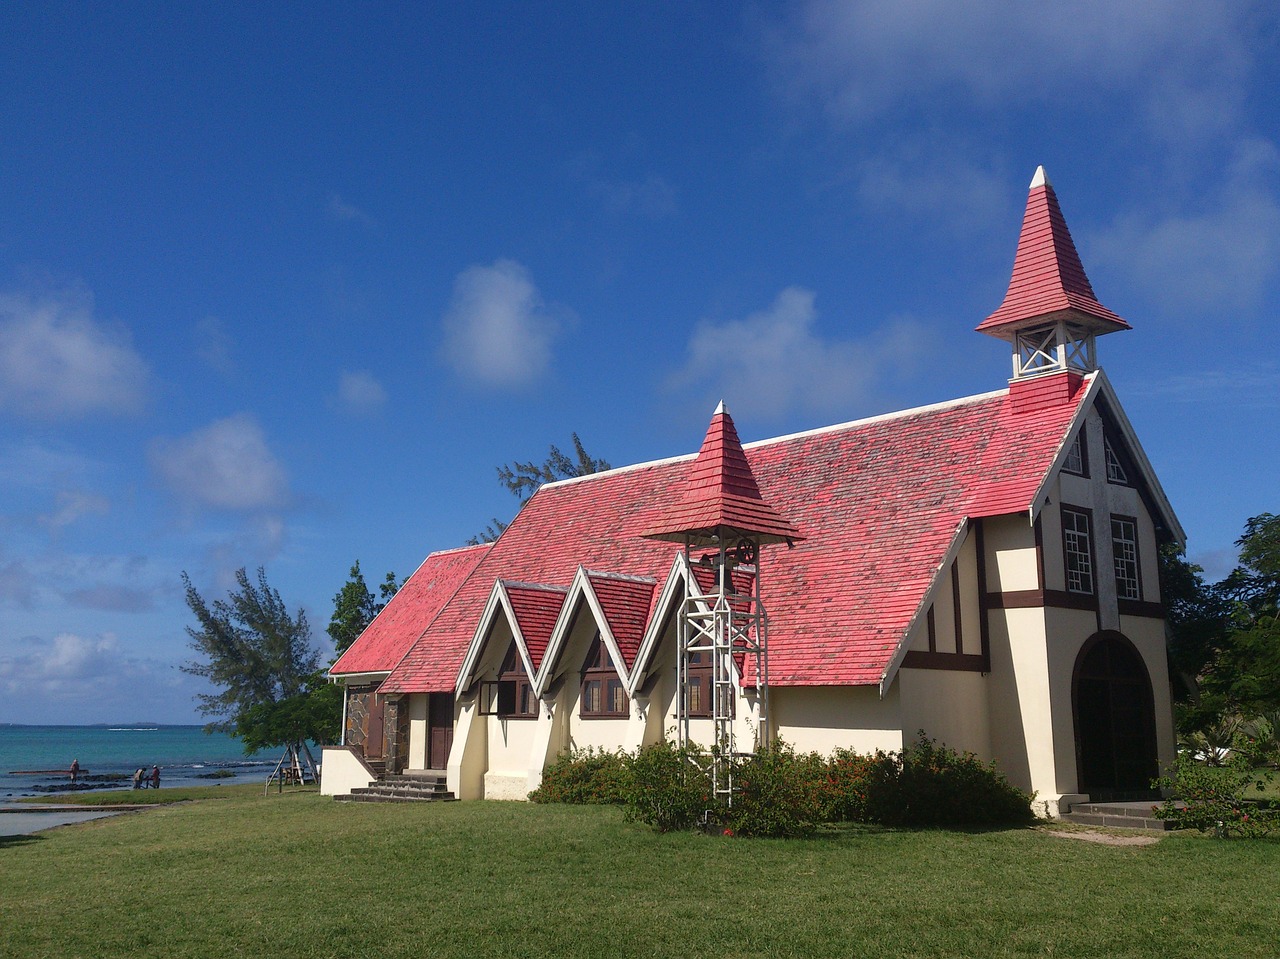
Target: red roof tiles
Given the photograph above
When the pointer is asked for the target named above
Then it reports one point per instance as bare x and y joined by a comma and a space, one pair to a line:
627, 603
720, 492
1048, 276
392, 632
881, 501
535, 609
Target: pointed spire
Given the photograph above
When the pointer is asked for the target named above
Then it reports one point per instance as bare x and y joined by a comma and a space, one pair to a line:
1048, 281
720, 495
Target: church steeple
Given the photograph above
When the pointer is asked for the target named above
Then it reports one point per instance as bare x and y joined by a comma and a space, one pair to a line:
1050, 313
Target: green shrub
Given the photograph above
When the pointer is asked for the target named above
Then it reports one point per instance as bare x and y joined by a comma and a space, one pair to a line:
931, 785
669, 787
777, 793
1212, 798
844, 791
585, 777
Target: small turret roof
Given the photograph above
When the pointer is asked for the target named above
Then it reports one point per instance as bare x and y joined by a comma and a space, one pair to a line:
720, 493
1048, 278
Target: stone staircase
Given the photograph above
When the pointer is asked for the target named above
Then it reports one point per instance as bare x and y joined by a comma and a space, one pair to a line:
1118, 815
403, 787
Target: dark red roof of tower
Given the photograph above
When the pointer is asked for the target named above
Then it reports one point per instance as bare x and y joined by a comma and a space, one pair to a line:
721, 491
1048, 277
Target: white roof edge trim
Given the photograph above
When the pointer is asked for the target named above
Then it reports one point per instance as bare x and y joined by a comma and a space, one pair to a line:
350, 679
958, 539
653, 631
545, 587
559, 633
497, 599
788, 437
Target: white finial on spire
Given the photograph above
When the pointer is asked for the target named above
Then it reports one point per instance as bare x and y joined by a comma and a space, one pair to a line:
1040, 179
721, 409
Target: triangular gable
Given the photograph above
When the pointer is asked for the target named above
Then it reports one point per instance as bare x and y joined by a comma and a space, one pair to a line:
523, 606
393, 631
582, 594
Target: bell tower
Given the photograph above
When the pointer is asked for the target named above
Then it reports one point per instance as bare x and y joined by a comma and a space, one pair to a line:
1050, 314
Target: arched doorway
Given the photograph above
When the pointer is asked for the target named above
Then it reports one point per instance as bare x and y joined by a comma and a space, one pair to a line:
1114, 719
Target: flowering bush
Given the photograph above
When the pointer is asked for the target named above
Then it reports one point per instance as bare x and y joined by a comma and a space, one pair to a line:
1212, 798
585, 777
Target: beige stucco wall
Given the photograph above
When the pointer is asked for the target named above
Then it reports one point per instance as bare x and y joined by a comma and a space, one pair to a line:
341, 771
417, 731
824, 718
949, 706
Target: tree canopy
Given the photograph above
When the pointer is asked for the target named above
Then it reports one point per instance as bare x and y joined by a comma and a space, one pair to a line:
260, 657
523, 479
1227, 635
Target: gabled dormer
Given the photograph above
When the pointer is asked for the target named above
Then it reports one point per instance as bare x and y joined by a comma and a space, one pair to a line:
1050, 314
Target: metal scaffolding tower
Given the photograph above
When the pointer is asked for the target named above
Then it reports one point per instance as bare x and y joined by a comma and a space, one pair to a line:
730, 627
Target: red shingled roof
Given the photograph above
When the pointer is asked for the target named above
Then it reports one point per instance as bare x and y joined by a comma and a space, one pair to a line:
627, 603
535, 609
392, 632
881, 501
720, 491
1048, 276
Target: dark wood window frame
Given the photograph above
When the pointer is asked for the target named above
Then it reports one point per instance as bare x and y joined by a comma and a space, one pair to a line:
1117, 469
1076, 560
603, 694
698, 677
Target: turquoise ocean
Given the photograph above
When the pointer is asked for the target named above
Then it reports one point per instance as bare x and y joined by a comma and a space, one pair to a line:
32, 757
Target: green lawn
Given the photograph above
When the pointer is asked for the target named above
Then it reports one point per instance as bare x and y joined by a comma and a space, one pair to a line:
301, 875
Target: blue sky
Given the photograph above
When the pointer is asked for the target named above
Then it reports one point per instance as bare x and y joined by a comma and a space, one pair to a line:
281, 286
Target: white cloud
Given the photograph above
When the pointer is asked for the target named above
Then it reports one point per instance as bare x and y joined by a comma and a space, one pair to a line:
57, 362
652, 197
774, 362
62, 664
344, 212
226, 465
213, 344
360, 392
861, 59
1224, 254
72, 505
497, 328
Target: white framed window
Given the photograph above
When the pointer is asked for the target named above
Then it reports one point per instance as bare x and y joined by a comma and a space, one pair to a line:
1124, 546
1075, 463
1077, 550
1115, 469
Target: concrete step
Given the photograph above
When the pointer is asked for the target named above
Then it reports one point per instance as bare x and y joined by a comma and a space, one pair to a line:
375, 797
1118, 815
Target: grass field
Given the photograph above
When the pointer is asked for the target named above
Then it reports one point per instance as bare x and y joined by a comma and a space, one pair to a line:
300, 875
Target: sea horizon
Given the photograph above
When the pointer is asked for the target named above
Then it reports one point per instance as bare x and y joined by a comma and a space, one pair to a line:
35, 758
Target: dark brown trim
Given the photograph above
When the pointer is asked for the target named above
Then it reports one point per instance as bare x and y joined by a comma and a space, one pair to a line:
955, 604
933, 632
1034, 598
960, 662
1038, 528
984, 626
1143, 608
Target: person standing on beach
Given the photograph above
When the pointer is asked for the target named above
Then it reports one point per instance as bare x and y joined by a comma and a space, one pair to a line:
155, 777
75, 771
137, 777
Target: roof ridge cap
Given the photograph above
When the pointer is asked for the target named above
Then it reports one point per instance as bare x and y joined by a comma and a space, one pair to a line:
546, 587
629, 577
